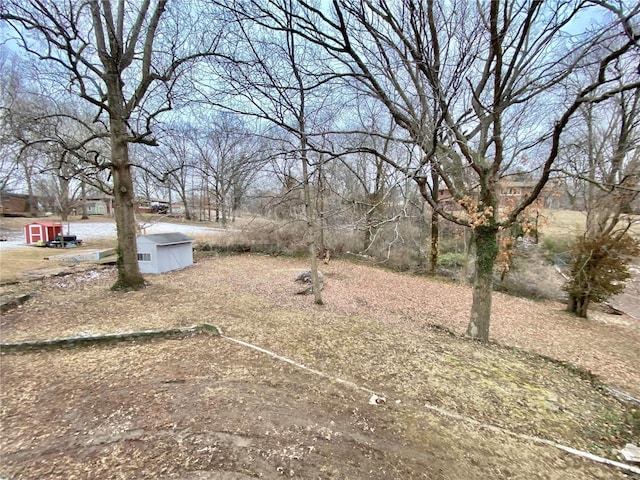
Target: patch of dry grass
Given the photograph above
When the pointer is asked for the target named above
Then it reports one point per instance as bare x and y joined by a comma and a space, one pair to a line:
373, 330
17, 264
563, 222
571, 222
205, 408
15, 261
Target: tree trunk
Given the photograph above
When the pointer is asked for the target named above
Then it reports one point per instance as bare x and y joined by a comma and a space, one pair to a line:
84, 201
311, 227
31, 198
422, 239
578, 304
320, 209
434, 252
309, 214
373, 212
129, 277
223, 208
485, 238
63, 201
185, 201
368, 237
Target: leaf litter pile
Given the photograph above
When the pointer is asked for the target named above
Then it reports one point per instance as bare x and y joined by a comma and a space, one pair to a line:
203, 407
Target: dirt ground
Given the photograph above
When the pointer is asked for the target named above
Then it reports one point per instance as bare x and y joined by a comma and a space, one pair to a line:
205, 407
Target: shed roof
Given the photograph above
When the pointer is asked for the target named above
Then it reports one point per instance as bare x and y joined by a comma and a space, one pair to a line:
167, 238
46, 224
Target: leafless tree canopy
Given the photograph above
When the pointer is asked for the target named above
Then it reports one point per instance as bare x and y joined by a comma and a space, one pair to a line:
457, 97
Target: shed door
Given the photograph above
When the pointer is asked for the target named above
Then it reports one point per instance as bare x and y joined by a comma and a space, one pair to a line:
35, 233
52, 232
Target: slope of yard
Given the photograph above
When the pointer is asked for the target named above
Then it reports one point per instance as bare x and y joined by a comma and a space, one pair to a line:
202, 407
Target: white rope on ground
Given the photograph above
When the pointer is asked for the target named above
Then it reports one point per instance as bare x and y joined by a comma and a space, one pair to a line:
298, 365
624, 395
446, 413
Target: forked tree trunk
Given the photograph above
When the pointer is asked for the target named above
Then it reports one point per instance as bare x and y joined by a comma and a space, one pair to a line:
185, 202
578, 304
486, 243
129, 276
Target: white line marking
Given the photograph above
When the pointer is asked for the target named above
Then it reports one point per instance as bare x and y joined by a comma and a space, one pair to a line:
445, 413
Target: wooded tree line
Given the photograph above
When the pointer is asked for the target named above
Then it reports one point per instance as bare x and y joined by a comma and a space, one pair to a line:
387, 106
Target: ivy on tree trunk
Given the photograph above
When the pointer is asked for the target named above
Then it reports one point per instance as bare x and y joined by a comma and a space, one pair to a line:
486, 245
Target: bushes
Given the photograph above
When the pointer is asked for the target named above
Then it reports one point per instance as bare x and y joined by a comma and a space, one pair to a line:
599, 267
557, 248
273, 238
452, 260
531, 275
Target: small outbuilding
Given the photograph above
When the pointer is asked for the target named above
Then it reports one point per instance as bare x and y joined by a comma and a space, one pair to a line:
163, 252
39, 233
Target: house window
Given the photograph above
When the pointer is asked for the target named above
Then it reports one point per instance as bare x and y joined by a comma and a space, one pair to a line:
144, 257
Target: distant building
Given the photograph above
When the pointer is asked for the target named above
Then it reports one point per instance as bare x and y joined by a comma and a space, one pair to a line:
510, 192
15, 204
514, 191
100, 205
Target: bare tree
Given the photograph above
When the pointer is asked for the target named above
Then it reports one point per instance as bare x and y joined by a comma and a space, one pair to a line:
229, 156
277, 78
475, 87
10, 86
123, 59
373, 179
605, 158
177, 162
25, 133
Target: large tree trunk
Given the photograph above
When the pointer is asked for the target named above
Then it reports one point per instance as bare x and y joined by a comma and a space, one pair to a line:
129, 277
486, 243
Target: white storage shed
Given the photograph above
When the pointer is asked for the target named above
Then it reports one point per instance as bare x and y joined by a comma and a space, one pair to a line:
163, 252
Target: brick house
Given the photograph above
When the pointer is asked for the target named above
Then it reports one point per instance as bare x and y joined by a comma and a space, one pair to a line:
15, 204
